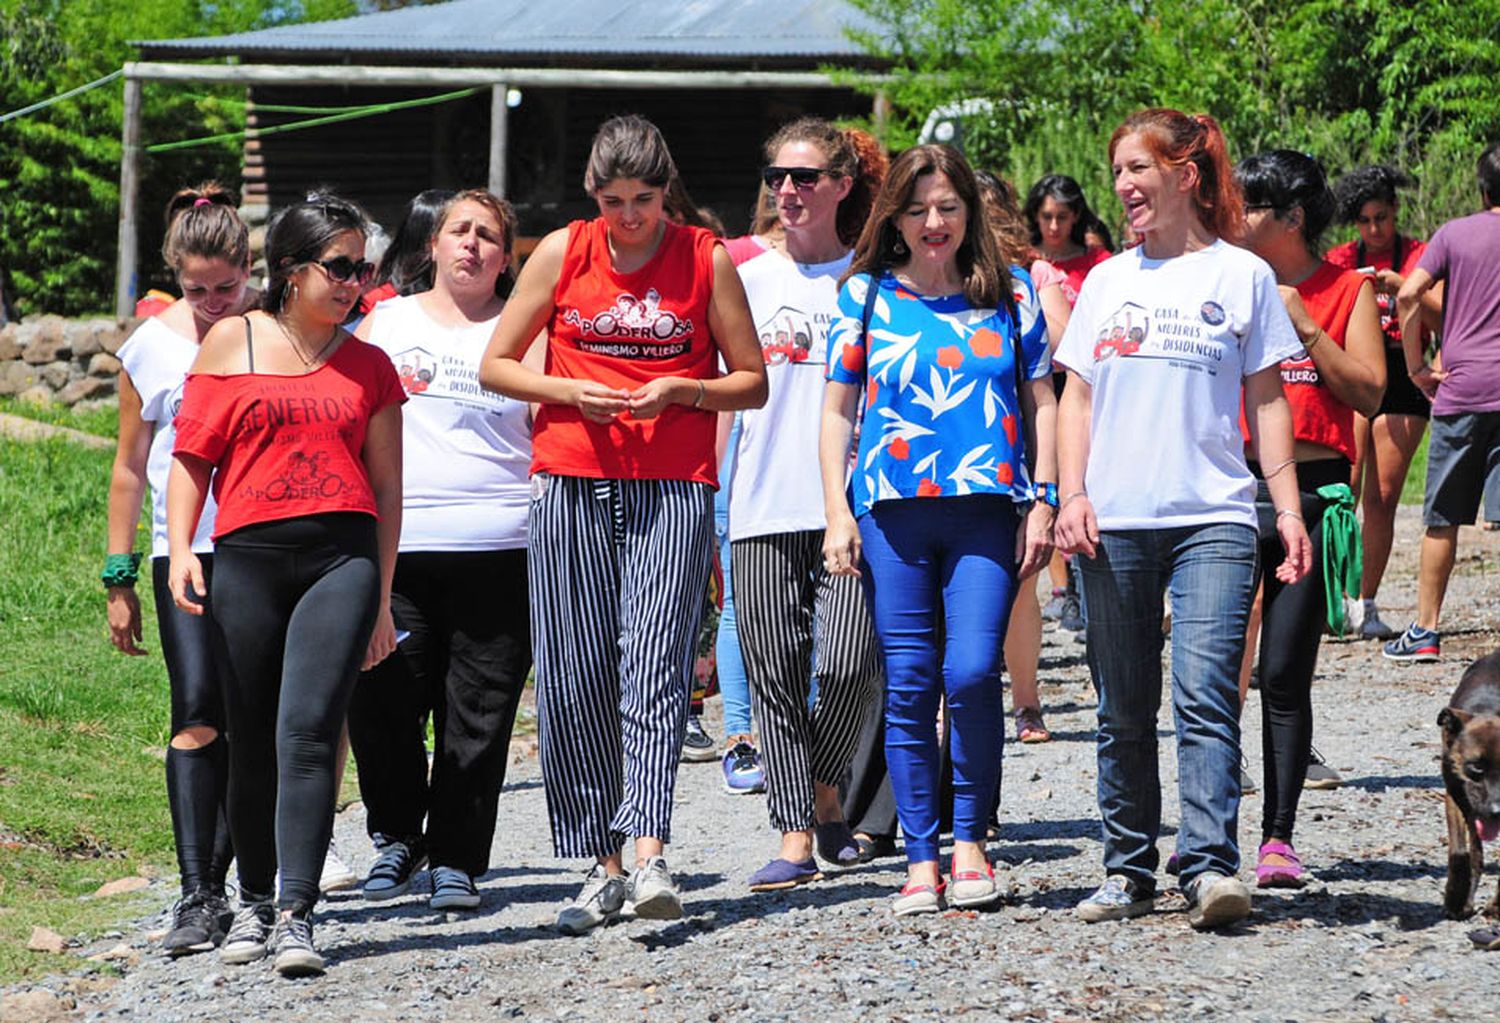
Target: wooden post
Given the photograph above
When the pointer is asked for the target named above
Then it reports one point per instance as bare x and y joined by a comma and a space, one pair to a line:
880, 113
499, 118
130, 181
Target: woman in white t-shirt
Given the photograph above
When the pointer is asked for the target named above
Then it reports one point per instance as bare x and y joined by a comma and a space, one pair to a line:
208, 249
459, 597
791, 612
1157, 497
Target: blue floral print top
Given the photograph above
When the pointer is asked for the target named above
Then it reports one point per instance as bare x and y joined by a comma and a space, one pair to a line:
941, 416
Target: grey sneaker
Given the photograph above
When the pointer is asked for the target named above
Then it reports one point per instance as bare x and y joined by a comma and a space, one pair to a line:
246, 940
1319, 774
452, 888
1216, 901
1118, 898
391, 874
698, 747
1247, 783
1371, 627
598, 900
652, 892
292, 944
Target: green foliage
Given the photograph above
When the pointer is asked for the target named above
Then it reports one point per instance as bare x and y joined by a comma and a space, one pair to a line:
60, 167
1354, 81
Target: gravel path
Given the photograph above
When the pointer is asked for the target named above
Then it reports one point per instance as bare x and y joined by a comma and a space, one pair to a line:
1366, 940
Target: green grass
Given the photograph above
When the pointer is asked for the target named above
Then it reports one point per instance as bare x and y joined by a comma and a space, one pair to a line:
105, 422
1416, 477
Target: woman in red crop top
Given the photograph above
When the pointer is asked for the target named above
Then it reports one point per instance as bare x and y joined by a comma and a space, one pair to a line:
1287, 206
639, 312
298, 425
1387, 441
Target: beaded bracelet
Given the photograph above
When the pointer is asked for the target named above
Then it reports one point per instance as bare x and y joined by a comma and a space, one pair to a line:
120, 569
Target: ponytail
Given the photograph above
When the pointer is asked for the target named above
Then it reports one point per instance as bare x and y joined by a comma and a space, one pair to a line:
1177, 139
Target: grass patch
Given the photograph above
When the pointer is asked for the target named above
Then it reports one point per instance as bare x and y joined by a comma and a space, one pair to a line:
102, 422
1416, 477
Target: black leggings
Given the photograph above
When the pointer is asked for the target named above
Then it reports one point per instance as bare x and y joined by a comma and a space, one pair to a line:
465, 662
296, 600
196, 778
1292, 619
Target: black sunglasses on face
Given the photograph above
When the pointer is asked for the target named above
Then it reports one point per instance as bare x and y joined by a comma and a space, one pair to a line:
802, 177
343, 270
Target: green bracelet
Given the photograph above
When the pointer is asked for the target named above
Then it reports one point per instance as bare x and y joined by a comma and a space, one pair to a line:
120, 569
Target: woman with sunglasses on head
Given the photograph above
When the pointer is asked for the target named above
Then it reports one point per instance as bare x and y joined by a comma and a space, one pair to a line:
953, 372
1340, 371
638, 310
207, 247
467, 646
297, 427
1162, 343
1387, 441
787, 605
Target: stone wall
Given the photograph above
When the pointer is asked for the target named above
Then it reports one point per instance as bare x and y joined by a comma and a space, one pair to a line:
51, 359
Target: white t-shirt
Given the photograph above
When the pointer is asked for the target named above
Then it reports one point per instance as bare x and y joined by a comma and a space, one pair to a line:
157, 358
1166, 345
466, 451
776, 486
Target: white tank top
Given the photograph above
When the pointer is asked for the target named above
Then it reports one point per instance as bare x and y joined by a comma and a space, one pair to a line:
157, 359
466, 451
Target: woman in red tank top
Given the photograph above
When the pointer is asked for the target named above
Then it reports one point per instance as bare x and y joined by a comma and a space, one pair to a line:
639, 313
1287, 206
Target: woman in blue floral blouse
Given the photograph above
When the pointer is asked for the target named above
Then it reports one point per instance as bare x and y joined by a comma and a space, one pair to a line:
940, 350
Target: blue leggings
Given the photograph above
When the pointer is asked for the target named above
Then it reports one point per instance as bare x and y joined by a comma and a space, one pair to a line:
957, 554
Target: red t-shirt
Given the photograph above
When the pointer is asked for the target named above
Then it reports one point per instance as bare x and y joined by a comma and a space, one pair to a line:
1076, 269
623, 331
1317, 416
1347, 257
287, 446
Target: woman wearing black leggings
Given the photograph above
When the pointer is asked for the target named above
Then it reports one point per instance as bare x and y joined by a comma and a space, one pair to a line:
299, 427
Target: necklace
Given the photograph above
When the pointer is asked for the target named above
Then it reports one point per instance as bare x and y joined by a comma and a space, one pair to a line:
291, 337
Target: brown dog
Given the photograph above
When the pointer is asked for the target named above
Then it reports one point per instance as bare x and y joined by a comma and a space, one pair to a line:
1471, 774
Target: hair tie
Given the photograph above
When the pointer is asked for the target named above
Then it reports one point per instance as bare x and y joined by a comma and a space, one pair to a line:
201, 201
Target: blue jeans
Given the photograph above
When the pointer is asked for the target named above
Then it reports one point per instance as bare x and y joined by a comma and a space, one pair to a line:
734, 684
957, 553
1210, 572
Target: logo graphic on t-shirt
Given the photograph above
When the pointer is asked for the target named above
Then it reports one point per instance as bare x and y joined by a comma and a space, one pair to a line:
633, 328
787, 335
305, 478
416, 368
1123, 332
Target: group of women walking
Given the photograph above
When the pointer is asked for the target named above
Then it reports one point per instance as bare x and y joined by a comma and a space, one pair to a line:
495, 473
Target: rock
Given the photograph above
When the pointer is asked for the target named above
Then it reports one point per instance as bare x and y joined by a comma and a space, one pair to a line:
37, 394
85, 387
35, 1007
55, 374
10, 348
117, 334
121, 886
84, 336
44, 940
16, 377
103, 365
48, 343
121, 953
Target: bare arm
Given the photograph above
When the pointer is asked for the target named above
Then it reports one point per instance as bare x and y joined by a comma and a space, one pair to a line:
841, 544
382, 458
127, 486
187, 488
1270, 420
1409, 313
1077, 527
1039, 409
1354, 373
1056, 311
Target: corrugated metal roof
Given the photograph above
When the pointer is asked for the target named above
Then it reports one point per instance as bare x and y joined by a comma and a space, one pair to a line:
489, 29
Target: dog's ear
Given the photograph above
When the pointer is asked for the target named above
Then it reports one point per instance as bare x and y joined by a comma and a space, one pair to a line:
1452, 720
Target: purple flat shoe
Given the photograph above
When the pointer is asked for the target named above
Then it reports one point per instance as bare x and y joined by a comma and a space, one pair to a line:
779, 875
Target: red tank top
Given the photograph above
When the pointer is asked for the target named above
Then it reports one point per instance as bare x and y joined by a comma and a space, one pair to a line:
1317, 416
283, 446
1076, 269
624, 330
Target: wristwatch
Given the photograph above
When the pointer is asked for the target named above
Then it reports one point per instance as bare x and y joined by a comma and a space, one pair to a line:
1046, 493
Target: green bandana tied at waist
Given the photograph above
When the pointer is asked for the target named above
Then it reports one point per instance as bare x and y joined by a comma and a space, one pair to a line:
1342, 557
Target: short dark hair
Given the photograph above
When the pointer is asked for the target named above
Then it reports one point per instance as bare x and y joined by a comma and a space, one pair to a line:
1489, 175
1375, 183
1287, 180
299, 233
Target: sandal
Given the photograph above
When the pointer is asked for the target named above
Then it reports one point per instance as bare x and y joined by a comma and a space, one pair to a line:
1029, 725
1287, 874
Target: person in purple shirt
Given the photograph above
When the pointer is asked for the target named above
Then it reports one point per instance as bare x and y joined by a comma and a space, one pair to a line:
1463, 455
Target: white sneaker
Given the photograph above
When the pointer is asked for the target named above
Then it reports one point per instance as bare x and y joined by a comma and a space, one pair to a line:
1354, 616
652, 892
598, 900
337, 877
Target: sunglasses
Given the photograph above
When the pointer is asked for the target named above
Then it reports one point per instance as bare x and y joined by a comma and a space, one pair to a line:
343, 270
802, 177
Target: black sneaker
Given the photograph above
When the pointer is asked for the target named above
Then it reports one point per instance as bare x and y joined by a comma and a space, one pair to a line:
199, 922
247, 937
292, 945
697, 745
391, 873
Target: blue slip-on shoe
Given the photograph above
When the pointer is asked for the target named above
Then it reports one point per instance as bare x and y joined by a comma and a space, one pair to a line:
779, 875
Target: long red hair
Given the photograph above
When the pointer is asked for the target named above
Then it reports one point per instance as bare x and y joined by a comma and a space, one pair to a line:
1176, 139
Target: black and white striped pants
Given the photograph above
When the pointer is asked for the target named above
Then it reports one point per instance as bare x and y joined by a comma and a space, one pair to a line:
618, 571
781, 595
